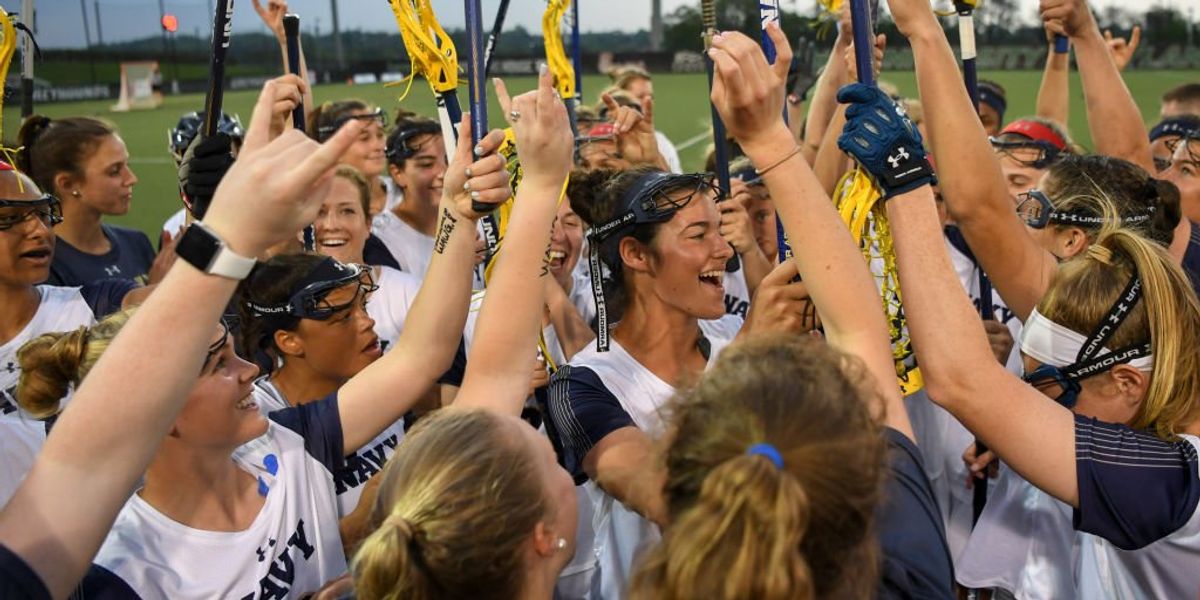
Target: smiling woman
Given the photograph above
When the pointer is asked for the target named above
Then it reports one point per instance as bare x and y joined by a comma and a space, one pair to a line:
84, 162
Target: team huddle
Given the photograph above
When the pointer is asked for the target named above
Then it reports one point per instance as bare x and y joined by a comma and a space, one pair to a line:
383, 356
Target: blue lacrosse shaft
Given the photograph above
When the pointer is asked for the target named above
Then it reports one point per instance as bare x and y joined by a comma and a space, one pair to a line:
768, 12
860, 20
476, 71
1061, 44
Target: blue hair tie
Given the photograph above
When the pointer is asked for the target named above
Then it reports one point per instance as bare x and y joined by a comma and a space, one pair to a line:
767, 450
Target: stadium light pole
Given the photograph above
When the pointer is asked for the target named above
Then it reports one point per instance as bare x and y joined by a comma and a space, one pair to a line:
27, 59
99, 30
339, 55
87, 39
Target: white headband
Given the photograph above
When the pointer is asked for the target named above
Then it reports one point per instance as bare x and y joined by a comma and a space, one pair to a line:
1052, 344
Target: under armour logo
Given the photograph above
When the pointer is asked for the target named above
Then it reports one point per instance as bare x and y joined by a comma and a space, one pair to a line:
901, 154
112, 270
11, 367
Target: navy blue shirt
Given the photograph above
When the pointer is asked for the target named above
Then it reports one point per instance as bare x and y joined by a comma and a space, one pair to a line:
912, 542
582, 412
375, 253
17, 580
130, 258
1191, 258
1134, 488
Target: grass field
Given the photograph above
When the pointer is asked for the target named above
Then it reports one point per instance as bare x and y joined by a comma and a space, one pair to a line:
681, 112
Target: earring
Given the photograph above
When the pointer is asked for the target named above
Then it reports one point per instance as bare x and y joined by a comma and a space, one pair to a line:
75, 193
560, 543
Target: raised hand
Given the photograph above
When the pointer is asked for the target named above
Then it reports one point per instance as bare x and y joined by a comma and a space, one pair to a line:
883, 140
747, 92
272, 16
877, 59
735, 225
482, 179
1071, 18
543, 130
781, 303
1121, 49
277, 184
635, 131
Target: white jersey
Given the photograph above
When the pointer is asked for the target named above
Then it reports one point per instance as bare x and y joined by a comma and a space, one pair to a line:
395, 194
176, 222
620, 533
412, 249
737, 293
350, 478
668, 152
61, 309
388, 306
291, 549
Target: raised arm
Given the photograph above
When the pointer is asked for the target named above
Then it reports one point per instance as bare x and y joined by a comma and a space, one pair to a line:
969, 176
505, 343
1053, 99
823, 103
1113, 117
104, 440
749, 95
388, 388
272, 17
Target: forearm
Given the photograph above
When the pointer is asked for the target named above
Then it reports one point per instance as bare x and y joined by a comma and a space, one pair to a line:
827, 257
1053, 99
830, 163
1113, 117
1028, 431
497, 374
63, 510
824, 102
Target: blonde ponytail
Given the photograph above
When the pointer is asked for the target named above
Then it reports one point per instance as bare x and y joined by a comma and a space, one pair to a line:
741, 539
54, 362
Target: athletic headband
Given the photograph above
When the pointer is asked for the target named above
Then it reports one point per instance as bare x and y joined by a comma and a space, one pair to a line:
767, 450
601, 131
307, 300
1078, 356
645, 203
5, 166
1184, 126
991, 96
397, 144
1037, 132
326, 131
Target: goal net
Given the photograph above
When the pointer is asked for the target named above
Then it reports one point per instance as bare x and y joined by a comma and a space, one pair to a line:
138, 91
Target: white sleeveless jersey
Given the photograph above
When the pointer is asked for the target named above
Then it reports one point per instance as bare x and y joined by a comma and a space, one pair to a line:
388, 306
359, 465
61, 309
1167, 568
620, 534
737, 293
291, 549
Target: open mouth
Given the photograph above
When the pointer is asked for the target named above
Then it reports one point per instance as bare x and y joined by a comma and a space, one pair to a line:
334, 242
372, 347
38, 254
247, 403
556, 258
713, 278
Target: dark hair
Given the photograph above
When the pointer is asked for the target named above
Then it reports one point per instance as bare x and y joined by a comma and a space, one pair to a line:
406, 122
1188, 92
1085, 183
51, 147
328, 113
270, 283
596, 197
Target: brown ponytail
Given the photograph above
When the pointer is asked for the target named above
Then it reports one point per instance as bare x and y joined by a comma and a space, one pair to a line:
51, 363
58, 146
744, 528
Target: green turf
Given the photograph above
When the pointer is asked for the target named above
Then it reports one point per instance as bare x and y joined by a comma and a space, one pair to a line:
681, 111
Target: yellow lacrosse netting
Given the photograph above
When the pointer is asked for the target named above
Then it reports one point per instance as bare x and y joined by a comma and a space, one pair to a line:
429, 47
556, 55
8, 48
857, 201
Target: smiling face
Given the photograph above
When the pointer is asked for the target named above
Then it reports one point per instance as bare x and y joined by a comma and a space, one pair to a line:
1184, 172
27, 247
602, 154
762, 219
684, 267
106, 185
566, 242
220, 412
341, 228
559, 488
336, 348
366, 153
422, 173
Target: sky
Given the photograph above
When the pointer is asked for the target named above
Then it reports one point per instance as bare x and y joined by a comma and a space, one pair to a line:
60, 23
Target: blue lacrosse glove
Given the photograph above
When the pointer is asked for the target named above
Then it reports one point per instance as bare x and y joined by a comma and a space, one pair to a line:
880, 136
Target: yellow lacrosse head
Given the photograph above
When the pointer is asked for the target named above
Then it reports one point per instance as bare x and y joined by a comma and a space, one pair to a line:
8, 47
429, 47
832, 7
857, 200
556, 55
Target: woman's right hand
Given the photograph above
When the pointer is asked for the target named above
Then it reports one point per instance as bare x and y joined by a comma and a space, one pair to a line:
977, 466
483, 179
539, 120
272, 17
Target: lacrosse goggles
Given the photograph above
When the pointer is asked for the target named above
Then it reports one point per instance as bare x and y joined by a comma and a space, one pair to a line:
46, 209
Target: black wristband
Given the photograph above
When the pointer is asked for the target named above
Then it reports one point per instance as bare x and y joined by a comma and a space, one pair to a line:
906, 171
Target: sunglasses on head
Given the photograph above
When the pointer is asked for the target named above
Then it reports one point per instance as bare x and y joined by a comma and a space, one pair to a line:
47, 209
325, 131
